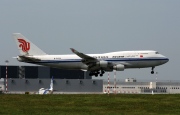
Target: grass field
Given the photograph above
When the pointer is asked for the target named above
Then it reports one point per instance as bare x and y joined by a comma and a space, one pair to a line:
90, 104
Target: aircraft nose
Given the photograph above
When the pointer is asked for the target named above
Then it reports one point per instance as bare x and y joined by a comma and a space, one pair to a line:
165, 60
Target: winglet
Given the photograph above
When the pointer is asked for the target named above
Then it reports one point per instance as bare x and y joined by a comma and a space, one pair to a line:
81, 55
73, 50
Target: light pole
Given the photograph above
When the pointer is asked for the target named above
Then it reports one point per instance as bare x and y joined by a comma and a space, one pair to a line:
6, 74
114, 81
156, 76
108, 84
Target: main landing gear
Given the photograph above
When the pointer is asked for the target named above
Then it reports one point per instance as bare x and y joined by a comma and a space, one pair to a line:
96, 73
152, 70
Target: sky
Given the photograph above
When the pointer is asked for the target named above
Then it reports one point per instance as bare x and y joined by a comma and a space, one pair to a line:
95, 26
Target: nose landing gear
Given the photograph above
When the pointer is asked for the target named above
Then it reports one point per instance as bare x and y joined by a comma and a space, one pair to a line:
152, 70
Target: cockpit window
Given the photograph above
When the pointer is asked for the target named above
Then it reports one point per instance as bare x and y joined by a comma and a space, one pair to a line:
157, 52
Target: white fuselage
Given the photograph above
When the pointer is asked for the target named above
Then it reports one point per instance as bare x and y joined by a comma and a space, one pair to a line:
44, 91
131, 59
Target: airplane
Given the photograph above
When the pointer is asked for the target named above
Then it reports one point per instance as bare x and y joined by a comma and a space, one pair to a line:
47, 91
96, 64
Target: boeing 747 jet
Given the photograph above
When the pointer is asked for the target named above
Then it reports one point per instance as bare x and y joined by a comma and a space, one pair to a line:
97, 64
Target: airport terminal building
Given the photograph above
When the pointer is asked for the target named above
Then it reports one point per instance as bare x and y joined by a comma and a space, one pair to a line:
32, 78
22, 79
131, 86
41, 72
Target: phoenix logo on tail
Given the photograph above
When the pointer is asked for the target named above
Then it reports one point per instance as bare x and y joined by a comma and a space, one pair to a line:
24, 45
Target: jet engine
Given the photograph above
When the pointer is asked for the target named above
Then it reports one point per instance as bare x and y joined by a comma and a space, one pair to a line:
119, 67
102, 63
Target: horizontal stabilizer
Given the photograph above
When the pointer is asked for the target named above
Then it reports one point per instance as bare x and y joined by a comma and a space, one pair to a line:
26, 58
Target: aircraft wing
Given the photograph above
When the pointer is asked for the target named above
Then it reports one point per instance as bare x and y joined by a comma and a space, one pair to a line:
93, 63
86, 59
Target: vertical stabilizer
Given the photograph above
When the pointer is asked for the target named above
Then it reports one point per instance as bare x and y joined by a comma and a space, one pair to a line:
25, 46
51, 84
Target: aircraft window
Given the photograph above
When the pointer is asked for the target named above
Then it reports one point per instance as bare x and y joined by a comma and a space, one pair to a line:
157, 52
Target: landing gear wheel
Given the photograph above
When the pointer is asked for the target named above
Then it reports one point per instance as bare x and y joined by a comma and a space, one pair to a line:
102, 72
90, 74
152, 72
96, 73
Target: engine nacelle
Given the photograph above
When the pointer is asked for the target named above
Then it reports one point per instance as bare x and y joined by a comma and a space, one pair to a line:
102, 63
119, 67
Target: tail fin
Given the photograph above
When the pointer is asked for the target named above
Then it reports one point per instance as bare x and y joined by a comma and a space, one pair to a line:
25, 46
51, 84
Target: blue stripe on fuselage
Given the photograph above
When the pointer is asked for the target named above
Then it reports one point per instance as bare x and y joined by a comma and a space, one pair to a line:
109, 60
